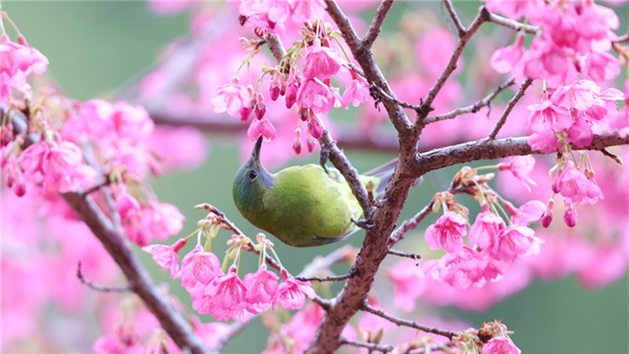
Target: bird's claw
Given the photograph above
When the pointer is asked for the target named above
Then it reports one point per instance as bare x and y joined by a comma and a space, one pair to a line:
324, 155
363, 223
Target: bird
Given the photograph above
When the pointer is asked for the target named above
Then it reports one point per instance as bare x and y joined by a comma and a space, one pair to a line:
302, 206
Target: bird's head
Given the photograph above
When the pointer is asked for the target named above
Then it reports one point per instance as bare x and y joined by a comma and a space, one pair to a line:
252, 179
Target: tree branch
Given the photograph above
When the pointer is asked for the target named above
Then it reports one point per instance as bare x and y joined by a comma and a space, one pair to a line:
489, 149
376, 25
474, 107
455, 17
514, 25
97, 287
139, 279
365, 59
464, 37
370, 346
510, 105
401, 322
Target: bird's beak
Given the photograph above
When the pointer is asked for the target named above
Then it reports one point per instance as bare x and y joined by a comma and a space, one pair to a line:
255, 154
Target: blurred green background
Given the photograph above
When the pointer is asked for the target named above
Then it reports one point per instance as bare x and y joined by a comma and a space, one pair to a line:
94, 47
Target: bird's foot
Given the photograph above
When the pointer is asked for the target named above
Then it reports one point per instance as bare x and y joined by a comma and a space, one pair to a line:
324, 155
363, 223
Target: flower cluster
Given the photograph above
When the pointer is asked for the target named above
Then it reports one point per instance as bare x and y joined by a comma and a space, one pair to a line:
17, 62
271, 14
564, 47
571, 114
491, 338
223, 293
493, 244
304, 79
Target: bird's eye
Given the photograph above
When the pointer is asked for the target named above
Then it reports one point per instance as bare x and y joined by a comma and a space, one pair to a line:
252, 175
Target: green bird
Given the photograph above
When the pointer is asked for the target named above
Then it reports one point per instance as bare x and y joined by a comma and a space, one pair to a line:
303, 206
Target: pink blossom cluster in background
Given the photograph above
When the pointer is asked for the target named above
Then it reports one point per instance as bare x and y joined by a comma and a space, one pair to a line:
72, 147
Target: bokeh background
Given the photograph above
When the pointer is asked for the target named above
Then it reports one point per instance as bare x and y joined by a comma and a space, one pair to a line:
95, 47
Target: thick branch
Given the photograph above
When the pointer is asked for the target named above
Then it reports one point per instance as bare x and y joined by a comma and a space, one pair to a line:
365, 59
489, 149
139, 279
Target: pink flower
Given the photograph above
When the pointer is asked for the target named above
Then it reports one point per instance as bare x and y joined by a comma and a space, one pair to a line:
233, 98
308, 10
505, 59
486, 229
529, 212
292, 293
570, 215
447, 232
573, 184
17, 61
261, 287
500, 345
165, 220
520, 166
356, 92
460, 270
199, 266
315, 95
262, 127
512, 242
408, 284
229, 296
166, 256
320, 62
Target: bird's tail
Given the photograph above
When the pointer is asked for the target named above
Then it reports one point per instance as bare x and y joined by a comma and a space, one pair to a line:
385, 172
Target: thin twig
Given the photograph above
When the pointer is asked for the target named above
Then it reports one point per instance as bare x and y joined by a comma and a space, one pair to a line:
97, 287
401, 322
622, 39
398, 234
514, 25
370, 346
455, 17
510, 105
612, 156
472, 108
329, 278
376, 24
464, 37
415, 256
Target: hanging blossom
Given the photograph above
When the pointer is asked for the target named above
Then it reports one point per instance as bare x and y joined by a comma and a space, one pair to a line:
234, 99
17, 62
571, 114
225, 296
564, 48
271, 14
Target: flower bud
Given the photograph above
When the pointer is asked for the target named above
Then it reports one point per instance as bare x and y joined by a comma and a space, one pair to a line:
260, 108
315, 129
570, 216
297, 141
547, 218
291, 94
310, 143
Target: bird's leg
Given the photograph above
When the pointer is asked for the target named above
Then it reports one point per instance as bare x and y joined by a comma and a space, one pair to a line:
324, 155
362, 223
